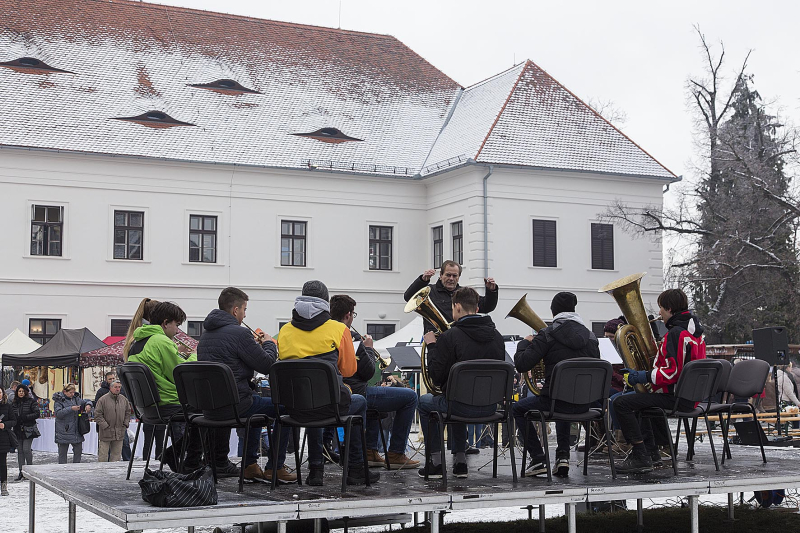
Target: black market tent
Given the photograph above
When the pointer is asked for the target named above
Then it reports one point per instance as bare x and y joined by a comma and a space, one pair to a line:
63, 350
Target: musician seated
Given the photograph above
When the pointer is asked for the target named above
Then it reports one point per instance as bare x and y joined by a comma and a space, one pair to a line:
225, 341
442, 291
683, 343
567, 338
312, 333
472, 336
400, 400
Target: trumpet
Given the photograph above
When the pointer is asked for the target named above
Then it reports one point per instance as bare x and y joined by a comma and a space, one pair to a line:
382, 363
258, 335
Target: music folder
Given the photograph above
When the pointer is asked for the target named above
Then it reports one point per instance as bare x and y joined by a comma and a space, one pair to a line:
406, 357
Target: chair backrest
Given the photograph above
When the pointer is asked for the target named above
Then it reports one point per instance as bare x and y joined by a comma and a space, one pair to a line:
140, 386
582, 380
724, 375
206, 386
748, 378
480, 382
301, 385
699, 379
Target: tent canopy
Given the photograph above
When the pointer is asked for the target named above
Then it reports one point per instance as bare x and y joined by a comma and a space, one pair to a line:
18, 342
411, 332
64, 349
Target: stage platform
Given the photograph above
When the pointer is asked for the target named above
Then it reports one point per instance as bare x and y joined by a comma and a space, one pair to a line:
101, 489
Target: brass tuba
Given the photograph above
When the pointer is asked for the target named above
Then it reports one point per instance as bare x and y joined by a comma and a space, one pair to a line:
635, 340
522, 311
421, 303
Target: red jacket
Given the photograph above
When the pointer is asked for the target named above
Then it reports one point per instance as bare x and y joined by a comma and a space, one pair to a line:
683, 343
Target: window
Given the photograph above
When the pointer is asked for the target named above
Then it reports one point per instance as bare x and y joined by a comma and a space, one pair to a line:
47, 230
194, 328
119, 327
544, 243
43, 329
457, 230
202, 239
379, 331
380, 247
293, 243
128, 234
603, 246
438, 246
597, 329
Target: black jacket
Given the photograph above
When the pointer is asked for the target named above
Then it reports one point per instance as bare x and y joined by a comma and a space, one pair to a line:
8, 421
25, 412
365, 370
225, 341
565, 339
104, 389
442, 299
472, 337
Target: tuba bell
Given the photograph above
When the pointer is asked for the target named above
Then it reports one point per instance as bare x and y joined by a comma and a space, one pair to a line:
421, 303
635, 340
523, 312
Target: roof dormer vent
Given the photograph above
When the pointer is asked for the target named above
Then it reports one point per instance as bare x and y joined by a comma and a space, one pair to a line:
31, 65
225, 86
155, 119
328, 135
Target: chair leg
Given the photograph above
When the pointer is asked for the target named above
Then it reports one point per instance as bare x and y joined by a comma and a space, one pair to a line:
244, 456
345, 452
711, 442
427, 448
677, 432
586, 448
760, 443
725, 448
211, 457
149, 451
442, 448
525, 444
383, 441
298, 460
610, 454
133, 451
694, 437
512, 439
673, 450
546, 446
363, 435
167, 434
273, 450
494, 459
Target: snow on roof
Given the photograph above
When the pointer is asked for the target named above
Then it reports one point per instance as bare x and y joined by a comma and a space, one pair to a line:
545, 125
125, 60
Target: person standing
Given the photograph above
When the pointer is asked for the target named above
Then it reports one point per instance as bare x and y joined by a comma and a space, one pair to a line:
225, 341
399, 400
102, 391
112, 412
67, 406
26, 411
7, 422
472, 336
567, 338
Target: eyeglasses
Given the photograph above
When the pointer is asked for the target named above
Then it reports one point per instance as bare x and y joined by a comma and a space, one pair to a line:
355, 314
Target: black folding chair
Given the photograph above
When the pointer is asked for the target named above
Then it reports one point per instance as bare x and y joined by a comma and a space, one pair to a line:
210, 388
477, 383
378, 417
579, 381
746, 379
304, 388
140, 386
699, 379
722, 382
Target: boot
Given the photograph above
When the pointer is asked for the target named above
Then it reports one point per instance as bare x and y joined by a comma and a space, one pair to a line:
20, 477
4, 488
315, 476
356, 475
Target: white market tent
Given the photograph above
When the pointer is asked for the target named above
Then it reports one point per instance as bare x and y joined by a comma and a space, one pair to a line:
17, 342
411, 332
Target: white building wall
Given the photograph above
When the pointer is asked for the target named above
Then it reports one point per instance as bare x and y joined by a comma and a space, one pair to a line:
87, 287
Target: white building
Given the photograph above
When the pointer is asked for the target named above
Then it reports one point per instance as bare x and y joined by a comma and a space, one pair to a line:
153, 151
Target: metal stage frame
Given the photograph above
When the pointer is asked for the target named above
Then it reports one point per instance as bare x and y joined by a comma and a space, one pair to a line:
101, 488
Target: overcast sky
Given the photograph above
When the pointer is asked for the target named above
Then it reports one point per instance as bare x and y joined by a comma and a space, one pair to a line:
634, 53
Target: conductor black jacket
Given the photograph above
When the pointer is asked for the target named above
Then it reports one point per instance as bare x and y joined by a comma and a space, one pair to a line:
471, 337
442, 299
566, 338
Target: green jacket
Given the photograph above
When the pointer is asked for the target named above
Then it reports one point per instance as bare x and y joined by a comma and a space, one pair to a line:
160, 355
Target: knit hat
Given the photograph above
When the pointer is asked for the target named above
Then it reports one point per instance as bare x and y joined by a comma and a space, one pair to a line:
315, 288
563, 302
26, 382
613, 325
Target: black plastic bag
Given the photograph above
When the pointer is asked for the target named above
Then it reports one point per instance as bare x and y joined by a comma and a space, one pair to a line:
168, 489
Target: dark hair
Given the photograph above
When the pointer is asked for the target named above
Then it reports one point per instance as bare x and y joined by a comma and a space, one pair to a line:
673, 300
468, 298
23, 387
167, 312
232, 297
341, 304
109, 374
448, 263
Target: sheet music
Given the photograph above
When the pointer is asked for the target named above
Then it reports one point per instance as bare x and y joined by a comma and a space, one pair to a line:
608, 352
356, 344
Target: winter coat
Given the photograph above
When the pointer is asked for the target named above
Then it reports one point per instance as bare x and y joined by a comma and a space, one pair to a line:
442, 299
365, 369
471, 337
104, 389
113, 415
26, 412
566, 338
9, 421
154, 349
225, 341
67, 419
683, 343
